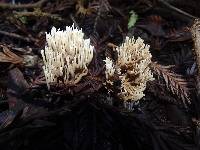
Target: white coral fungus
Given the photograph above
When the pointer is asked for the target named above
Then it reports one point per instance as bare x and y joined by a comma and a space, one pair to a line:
133, 69
110, 70
66, 55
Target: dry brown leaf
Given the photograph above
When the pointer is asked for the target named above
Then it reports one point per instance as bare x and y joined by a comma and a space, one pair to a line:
8, 56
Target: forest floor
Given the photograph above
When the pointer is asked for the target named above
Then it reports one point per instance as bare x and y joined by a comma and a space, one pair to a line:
87, 116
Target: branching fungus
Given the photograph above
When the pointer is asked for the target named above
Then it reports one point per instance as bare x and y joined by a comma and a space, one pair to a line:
66, 56
132, 67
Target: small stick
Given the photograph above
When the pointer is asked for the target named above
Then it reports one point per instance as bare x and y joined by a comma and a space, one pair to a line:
38, 13
177, 10
21, 6
17, 36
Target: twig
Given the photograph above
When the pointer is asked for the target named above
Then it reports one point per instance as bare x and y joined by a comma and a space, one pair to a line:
20, 6
38, 13
177, 9
74, 21
17, 36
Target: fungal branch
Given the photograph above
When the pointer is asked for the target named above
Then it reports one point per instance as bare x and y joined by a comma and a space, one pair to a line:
110, 70
66, 56
132, 67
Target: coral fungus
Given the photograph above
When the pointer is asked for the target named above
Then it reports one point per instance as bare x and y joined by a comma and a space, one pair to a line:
66, 56
132, 67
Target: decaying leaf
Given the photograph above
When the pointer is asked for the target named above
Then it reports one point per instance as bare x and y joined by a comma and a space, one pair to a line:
176, 83
8, 56
153, 25
17, 85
